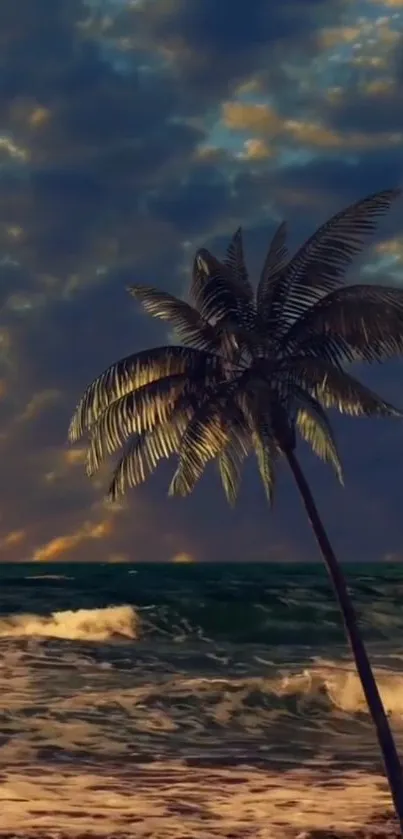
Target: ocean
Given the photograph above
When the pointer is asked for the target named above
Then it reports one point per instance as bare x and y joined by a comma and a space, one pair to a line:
191, 701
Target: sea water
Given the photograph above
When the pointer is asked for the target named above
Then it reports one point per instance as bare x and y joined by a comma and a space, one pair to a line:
191, 700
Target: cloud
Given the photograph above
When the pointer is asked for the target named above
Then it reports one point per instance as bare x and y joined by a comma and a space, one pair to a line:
263, 120
61, 545
126, 141
333, 36
256, 149
211, 52
243, 116
373, 110
182, 559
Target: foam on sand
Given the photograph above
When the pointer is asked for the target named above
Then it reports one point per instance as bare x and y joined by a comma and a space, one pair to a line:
173, 801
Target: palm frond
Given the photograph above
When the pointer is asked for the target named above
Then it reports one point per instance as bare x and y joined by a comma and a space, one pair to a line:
266, 450
230, 462
218, 294
320, 264
203, 442
207, 434
134, 413
142, 454
272, 270
188, 324
361, 323
334, 388
133, 372
331, 348
256, 371
314, 427
235, 261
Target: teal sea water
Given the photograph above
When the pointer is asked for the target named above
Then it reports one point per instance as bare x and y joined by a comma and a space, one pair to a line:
191, 700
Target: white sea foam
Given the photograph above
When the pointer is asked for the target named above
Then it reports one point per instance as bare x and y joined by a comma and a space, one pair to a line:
333, 684
334, 681
48, 577
79, 624
96, 722
341, 685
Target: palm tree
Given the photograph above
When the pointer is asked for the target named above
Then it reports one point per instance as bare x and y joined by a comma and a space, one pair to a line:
251, 370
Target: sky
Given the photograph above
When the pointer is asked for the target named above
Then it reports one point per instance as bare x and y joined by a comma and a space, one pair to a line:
132, 133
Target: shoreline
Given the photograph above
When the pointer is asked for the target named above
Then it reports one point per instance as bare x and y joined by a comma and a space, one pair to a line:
173, 801
381, 826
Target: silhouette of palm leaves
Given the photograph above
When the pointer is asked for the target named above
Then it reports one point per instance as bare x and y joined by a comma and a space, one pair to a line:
253, 367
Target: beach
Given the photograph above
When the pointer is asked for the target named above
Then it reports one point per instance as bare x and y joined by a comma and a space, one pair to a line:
180, 702
174, 802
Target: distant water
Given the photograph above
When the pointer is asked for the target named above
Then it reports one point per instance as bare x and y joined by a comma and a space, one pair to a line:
191, 701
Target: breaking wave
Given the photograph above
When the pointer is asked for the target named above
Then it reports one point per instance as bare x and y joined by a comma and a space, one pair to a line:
328, 684
79, 624
339, 684
320, 689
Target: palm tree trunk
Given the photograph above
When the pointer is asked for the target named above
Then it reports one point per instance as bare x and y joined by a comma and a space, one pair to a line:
369, 686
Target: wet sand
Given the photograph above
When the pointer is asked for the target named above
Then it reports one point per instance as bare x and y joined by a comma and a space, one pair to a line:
174, 801
380, 827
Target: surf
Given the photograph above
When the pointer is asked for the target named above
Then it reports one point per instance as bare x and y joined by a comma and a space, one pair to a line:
74, 625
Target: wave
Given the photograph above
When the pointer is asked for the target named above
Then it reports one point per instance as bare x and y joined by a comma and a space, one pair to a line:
322, 689
332, 684
48, 577
340, 685
243, 604
79, 624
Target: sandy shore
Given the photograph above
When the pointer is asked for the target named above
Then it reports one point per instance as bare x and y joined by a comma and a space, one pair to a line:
378, 828
174, 801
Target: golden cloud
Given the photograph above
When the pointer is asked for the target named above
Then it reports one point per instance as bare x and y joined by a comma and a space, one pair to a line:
39, 116
15, 537
116, 557
332, 36
262, 119
256, 118
319, 136
250, 86
314, 134
256, 149
38, 403
211, 155
379, 87
75, 457
63, 544
183, 559
390, 247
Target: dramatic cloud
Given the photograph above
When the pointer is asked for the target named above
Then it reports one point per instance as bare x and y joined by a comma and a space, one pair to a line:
131, 133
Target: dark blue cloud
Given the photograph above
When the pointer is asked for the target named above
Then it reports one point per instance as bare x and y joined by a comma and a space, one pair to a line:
369, 113
99, 187
198, 203
228, 28
214, 46
371, 104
